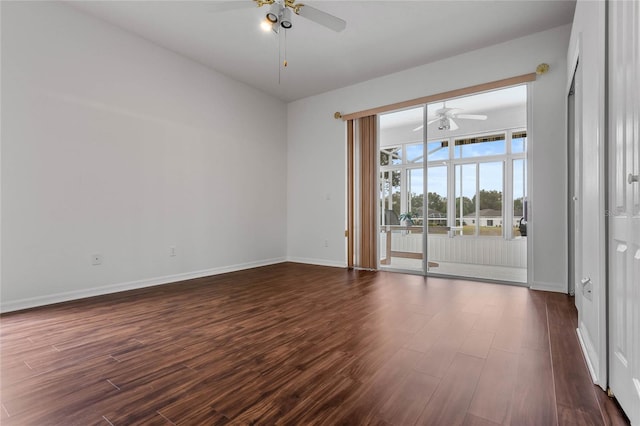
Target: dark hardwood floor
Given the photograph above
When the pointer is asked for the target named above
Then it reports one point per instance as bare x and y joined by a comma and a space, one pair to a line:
298, 344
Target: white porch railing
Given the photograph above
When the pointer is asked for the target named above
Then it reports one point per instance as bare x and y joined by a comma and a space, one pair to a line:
471, 250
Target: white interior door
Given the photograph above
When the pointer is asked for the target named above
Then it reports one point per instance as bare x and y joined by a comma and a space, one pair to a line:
624, 214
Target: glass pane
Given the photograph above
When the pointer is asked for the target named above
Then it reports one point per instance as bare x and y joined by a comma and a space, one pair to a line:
466, 220
400, 128
519, 197
518, 142
437, 200
391, 155
415, 196
480, 146
401, 147
437, 150
390, 197
414, 153
490, 216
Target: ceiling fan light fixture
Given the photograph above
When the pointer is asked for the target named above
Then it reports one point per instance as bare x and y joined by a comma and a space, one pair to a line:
274, 13
285, 20
444, 124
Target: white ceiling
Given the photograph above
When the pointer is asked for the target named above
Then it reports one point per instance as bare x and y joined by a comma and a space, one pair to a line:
381, 37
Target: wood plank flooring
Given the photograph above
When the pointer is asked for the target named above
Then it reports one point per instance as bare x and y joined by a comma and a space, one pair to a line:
299, 344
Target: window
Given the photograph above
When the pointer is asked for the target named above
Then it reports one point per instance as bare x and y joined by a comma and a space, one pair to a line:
519, 192
518, 142
390, 191
438, 150
437, 200
490, 185
391, 156
480, 146
415, 184
487, 183
414, 153
466, 190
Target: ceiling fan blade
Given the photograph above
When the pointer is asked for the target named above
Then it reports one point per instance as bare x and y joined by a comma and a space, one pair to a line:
322, 18
433, 120
453, 125
227, 6
418, 128
472, 116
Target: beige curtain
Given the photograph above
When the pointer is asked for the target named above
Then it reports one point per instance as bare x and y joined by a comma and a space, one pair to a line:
362, 242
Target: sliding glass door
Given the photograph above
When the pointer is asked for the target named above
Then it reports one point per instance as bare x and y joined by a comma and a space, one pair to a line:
453, 187
401, 201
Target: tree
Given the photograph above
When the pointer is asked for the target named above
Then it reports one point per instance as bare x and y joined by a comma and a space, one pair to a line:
490, 200
517, 207
468, 205
395, 201
417, 202
437, 202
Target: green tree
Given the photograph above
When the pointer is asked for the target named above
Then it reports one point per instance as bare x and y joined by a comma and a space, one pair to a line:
437, 202
395, 200
517, 207
490, 199
417, 202
468, 205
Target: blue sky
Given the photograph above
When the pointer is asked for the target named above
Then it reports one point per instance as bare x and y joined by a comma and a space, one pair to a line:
490, 173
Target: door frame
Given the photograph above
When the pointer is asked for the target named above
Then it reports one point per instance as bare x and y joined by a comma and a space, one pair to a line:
572, 205
507, 184
590, 297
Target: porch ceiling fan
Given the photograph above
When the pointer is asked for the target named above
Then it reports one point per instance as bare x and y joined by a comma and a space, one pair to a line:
279, 13
445, 118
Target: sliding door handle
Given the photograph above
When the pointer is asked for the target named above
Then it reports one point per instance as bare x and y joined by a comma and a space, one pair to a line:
632, 178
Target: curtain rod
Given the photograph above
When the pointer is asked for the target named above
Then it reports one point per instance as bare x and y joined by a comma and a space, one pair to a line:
525, 78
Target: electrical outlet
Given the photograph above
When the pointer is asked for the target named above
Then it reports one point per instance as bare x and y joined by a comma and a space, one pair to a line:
172, 251
96, 259
326, 243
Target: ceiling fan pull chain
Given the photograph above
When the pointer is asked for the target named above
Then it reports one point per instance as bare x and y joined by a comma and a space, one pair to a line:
285, 63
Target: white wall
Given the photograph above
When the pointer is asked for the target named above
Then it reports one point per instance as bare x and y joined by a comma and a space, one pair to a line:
316, 148
587, 44
113, 145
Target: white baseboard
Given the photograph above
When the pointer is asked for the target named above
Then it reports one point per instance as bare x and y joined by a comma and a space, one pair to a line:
33, 302
554, 287
319, 262
587, 356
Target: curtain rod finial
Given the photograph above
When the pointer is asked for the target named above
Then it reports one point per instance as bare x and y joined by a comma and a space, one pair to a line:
337, 115
542, 69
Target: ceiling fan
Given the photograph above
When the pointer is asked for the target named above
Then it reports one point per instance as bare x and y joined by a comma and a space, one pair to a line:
279, 13
445, 118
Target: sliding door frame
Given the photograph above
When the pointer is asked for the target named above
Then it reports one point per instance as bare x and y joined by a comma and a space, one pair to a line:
507, 180
352, 224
